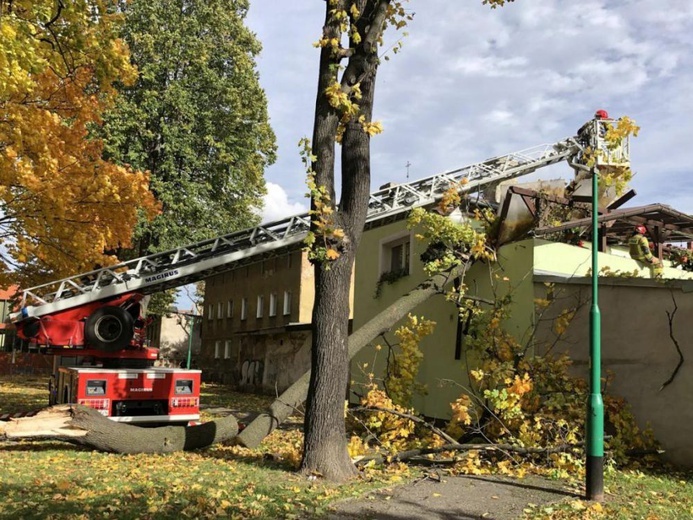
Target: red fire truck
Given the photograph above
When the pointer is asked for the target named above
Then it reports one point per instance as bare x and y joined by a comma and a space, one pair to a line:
102, 360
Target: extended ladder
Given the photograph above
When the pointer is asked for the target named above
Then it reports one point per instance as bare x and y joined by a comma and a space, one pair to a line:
177, 267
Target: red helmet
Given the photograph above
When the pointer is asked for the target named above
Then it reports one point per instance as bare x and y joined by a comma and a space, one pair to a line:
641, 229
601, 114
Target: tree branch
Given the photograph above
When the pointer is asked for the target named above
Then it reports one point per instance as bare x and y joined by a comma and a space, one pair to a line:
408, 416
510, 448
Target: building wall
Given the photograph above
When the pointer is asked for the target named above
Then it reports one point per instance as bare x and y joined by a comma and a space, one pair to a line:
262, 363
170, 334
636, 345
440, 370
258, 353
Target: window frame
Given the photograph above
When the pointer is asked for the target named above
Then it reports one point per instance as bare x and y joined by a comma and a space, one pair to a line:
244, 309
259, 312
287, 303
386, 247
272, 312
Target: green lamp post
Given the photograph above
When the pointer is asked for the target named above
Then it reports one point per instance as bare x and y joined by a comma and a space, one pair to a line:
595, 409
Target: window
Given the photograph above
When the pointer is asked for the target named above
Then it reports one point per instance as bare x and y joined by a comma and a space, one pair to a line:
210, 311
244, 308
217, 349
260, 306
273, 304
396, 255
220, 310
227, 349
288, 261
287, 302
229, 309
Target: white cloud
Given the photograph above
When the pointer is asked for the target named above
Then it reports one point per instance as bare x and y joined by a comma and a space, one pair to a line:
278, 206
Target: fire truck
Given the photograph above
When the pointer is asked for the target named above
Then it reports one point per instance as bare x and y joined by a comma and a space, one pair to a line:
94, 322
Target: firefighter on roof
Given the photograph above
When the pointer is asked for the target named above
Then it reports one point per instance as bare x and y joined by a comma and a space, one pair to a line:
639, 249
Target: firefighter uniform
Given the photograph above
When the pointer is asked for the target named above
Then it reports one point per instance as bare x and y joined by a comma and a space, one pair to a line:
639, 249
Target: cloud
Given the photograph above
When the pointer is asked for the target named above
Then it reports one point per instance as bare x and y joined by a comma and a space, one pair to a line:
278, 206
472, 83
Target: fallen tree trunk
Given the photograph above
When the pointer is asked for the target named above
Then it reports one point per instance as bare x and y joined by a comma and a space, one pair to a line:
87, 427
295, 395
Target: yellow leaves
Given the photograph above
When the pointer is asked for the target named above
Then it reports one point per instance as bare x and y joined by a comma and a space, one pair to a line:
338, 98
496, 3
477, 375
520, 386
393, 431
451, 199
67, 202
371, 128
401, 381
622, 129
460, 416
354, 12
561, 323
325, 42
322, 242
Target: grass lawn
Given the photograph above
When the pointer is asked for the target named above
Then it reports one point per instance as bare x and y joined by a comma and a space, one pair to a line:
629, 495
58, 480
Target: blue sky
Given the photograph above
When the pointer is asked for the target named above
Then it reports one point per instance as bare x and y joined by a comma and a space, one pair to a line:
472, 83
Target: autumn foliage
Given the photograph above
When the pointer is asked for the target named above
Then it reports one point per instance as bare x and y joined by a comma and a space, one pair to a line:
512, 393
61, 204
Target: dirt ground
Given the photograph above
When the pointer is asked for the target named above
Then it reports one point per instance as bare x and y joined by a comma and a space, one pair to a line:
457, 497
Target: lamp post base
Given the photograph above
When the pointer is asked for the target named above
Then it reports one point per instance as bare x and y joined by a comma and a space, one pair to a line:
595, 478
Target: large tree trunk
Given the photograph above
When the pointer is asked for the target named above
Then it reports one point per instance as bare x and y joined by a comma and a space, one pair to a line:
87, 427
325, 450
325, 433
295, 395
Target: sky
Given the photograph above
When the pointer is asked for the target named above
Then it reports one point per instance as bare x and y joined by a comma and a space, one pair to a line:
472, 83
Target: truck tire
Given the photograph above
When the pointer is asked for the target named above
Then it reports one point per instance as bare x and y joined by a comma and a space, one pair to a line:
109, 329
31, 328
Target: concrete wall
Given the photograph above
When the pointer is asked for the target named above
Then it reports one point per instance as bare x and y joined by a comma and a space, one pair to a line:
635, 338
637, 348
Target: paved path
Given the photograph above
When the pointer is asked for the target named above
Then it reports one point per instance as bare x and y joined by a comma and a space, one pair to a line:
463, 497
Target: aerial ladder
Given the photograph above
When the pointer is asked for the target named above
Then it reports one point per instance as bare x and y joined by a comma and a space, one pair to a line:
45, 308
94, 322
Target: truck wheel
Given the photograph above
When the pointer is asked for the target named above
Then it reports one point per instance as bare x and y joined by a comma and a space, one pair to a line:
31, 329
109, 328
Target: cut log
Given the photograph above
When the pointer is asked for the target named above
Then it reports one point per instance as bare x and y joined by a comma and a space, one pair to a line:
295, 395
87, 427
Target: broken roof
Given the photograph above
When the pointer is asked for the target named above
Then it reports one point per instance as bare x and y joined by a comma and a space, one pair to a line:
528, 212
664, 223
